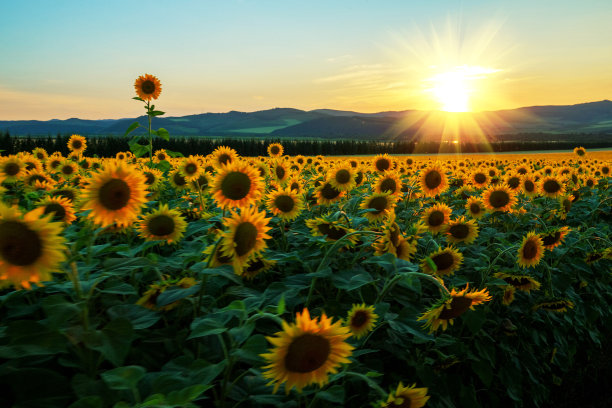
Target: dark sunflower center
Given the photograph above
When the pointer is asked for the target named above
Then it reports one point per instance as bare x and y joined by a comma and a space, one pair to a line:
530, 250
529, 186
522, 170
605, 170
551, 239
69, 194
343, 176
245, 238
480, 178
40, 156
436, 218
67, 170
150, 178
280, 172
29, 166
274, 150
114, 194
11, 169
331, 232
443, 261
517, 281
191, 168
161, 225
459, 231
433, 179
161, 157
58, 210
379, 204
224, 158
514, 182
224, 259
202, 181
36, 178
382, 164
19, 245
359, 319
459, 305
76, 144
178, 179
590, 183
55, 163
551, 186
256, 265
148, 87
284, 203
475, 208
307, 353
499, 199
295, 186
329, 192
359, 177
388, 184
236, 185
406, 403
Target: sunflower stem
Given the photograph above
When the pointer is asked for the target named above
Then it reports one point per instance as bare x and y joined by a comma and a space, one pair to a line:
486, 273
203, 281
150, 135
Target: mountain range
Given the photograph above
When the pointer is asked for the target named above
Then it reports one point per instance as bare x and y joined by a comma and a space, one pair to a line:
594, 118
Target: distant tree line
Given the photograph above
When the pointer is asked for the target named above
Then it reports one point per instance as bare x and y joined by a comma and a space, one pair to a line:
108, 146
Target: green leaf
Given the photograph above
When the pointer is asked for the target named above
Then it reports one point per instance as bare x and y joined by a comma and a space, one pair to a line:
140, 317
163, 133
174, 154
123, 378
175, 294
92, 401
484, 371
186, 395
205, 326
155, 113
280, 308
138, 99
138, 149
333, 394
131, 128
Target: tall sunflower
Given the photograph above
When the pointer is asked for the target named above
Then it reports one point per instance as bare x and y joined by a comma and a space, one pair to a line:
275, 150
284, 203
224, 155
361, 320
433, 180
147, 87
531, 251
405, 397
498, 198
382, 163
447, 261
306, 352
77, 144
31, 247
461, 230
245, 236
162, 224
115, 195
237, 184
452, 306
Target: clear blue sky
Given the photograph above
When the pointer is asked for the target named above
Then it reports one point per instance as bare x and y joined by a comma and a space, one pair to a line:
65, 59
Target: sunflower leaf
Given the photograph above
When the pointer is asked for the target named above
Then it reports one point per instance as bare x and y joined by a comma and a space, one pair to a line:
132, 127
163, 133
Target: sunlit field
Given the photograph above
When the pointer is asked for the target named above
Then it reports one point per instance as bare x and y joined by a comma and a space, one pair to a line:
292, 281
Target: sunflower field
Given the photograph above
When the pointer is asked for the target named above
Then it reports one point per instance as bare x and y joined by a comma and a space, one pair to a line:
215, 280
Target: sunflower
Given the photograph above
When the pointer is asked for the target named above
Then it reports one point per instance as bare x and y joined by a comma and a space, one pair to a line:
436, 216
555, 305
31, 247
433, 180
390, 238
461, 230
452, 306
598, 255
296, 184
237, 184
53, 162
68, 169
406, 397
115, 195
11, 169
554, 238
245, 236
327, 194
147, 87
529, 185
279, 171
70, 193
580, 151
160, 155
524, 283
361, 320
388, 181
149, 298
40, 153
162, 224
190, 168
475, 207
255, 266
498, 198
218, 259
551, 187
406, 248
224, 155
382, 163
275, 150
202, 182
285, 203
479, 178
331, 230
32, 163
153, 178
77, 144
531, 251
61, 208
381, 203
446, 260
306, 352
177, 180
342, 177
34, 175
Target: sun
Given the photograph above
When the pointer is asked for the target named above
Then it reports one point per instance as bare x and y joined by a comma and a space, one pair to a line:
453, 88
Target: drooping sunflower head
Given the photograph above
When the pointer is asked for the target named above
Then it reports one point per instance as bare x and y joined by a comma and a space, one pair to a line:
361, 320
406, 397
461, 230
445, 260
31, 247
556, 305
275, 150
148, 87
554, 237
433, 180
328, 194
498, 198
525, 283
256, 266
237, 185
77, 144
285, 203
435, 217
531, 251
331, 230
306, 352
163, 224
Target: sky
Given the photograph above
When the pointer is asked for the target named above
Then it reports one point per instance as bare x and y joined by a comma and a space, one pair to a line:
62, 59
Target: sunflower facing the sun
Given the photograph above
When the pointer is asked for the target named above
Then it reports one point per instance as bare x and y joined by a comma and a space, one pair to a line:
306, 352
147, 87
